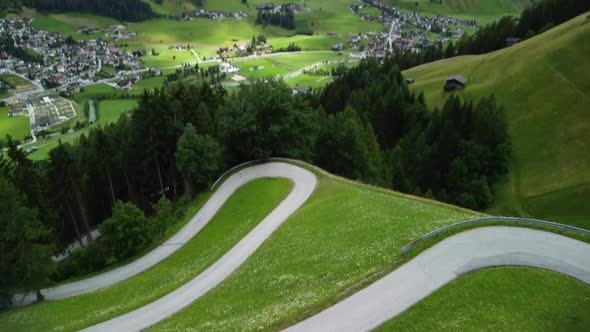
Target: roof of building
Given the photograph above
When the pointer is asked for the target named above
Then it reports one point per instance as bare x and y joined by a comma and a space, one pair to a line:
458, 78
300, 90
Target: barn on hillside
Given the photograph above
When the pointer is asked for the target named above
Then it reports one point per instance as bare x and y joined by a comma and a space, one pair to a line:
455, 82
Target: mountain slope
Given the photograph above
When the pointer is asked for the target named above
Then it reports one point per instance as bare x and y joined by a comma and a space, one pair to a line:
482, 10
543, 84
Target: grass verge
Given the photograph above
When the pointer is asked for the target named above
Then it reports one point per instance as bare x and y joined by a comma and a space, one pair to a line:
222, 233
501, 299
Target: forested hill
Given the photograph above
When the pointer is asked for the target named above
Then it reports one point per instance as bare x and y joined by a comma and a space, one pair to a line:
124, 10
543, 83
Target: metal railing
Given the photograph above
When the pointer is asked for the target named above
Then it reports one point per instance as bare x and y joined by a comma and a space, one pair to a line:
293, 161
500, 219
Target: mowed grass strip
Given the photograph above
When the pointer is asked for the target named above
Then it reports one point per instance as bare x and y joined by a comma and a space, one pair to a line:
241, 213
501, 299
344, 235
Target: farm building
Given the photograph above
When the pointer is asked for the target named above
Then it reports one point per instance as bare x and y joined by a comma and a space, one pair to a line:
300, 90
512, 41
455, 82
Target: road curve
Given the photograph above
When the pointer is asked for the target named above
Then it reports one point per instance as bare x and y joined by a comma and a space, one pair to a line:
459, 254
304, 183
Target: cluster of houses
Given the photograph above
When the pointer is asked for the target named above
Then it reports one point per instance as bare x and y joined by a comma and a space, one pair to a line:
211, 14
407, 31
64, 64
244, 49
220, 15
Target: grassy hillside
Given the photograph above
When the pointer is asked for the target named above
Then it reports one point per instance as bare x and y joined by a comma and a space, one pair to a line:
483, 11
543, 84
168, 7
222, 233
504, 299
344, 237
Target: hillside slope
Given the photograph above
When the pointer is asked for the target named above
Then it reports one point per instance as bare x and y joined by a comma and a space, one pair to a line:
482, 10
543, 84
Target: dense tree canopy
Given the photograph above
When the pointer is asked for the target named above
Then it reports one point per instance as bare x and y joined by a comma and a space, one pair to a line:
123, 10
454, 153
25, 246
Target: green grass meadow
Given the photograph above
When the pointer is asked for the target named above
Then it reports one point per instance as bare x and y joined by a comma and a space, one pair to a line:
501, 299
344, 235
484, 11
238, 216
110, 110
17, 127
547, 98
66, 24
168, 7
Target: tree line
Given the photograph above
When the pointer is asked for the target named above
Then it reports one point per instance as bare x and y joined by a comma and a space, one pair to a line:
366, 125
9, 6
535, 19
454, 154
122, 10
284, 18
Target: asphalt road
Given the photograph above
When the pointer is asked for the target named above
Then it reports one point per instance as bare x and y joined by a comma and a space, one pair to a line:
304, 183
459, 254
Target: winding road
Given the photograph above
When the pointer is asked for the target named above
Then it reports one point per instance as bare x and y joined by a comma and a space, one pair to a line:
304, 183
366, 309
435, 267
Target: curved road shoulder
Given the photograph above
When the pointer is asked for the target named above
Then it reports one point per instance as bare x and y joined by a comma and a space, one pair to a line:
435, 267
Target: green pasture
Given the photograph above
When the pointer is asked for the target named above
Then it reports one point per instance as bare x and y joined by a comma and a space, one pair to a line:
17, 127
110, 110
168, 7
484, 11
343, 236
546, 99
501, 299
168, 58
67, 23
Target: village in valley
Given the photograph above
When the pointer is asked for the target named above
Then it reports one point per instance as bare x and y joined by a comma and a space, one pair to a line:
57, 67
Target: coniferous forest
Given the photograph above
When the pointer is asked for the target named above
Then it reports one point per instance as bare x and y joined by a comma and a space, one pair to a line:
366, 125
123, 10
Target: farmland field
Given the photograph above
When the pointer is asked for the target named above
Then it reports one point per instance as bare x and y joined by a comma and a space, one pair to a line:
171, 6
109, 111
484, 11
66, 24
282, 64
17, 127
